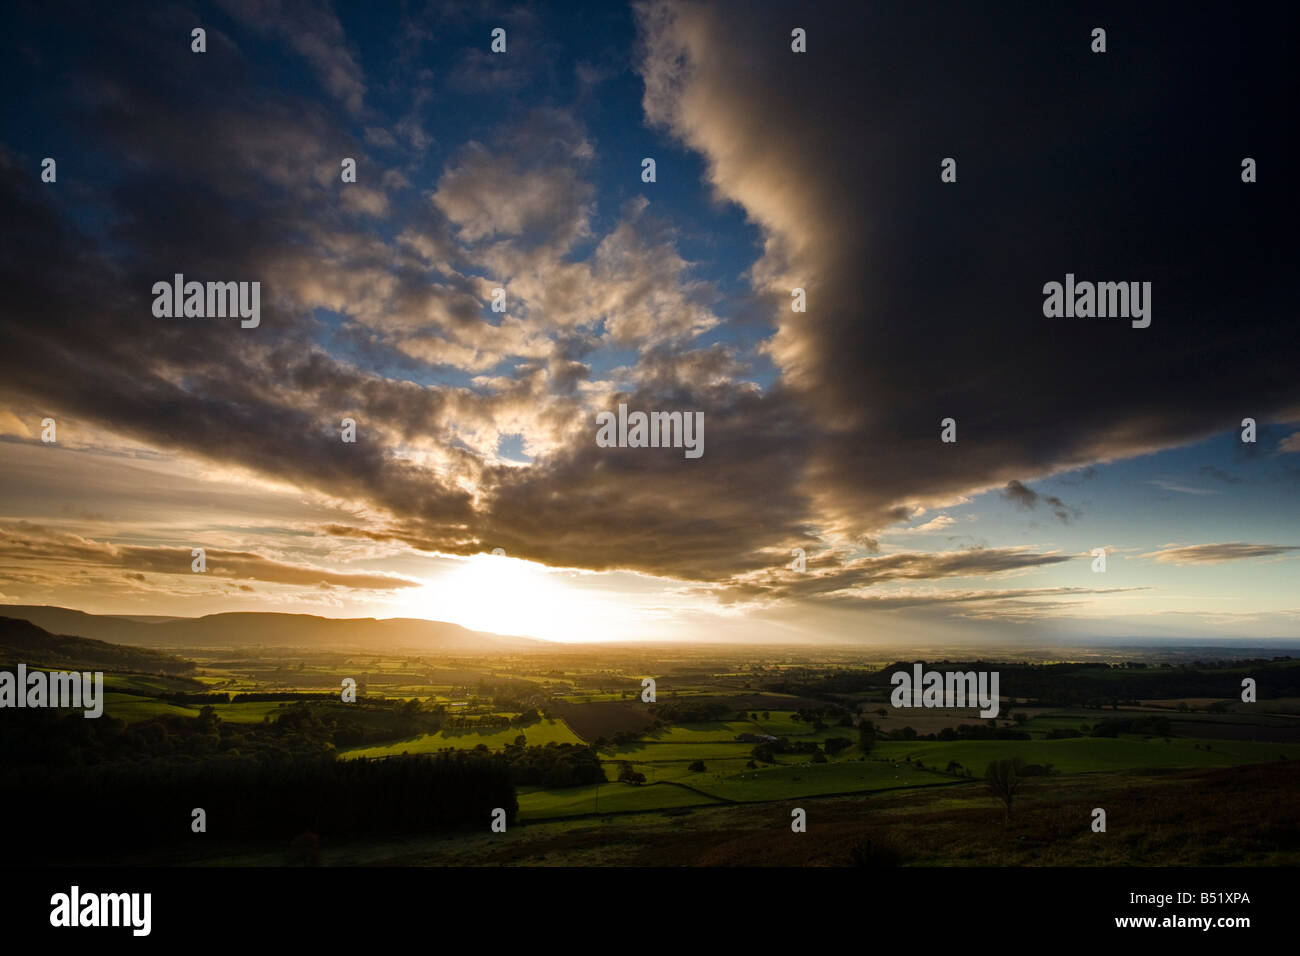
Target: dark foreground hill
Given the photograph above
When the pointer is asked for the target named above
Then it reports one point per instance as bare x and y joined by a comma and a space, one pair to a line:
271, 630
1229, 816
24, 642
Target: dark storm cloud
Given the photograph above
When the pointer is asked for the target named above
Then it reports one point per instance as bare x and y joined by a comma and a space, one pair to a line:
1018, 494
1025, 497
924, 298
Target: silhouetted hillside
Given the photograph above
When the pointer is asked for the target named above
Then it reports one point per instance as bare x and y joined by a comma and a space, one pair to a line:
273, 630
24, 642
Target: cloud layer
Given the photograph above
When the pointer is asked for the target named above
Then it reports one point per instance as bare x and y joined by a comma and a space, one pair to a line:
924, 299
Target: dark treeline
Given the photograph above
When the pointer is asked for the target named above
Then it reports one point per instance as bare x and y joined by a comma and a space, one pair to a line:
691, 712
1057, 685
182, 699
455, 721
511, 694
966, 732
547, 765
101, 813
1073, 685
828, 685
766, 751
253, 696
367, 721
216, 697
812, 715
1154, 726
91, 789
554, 765
43, 737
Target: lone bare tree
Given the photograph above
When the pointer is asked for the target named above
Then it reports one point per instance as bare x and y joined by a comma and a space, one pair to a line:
1004, 780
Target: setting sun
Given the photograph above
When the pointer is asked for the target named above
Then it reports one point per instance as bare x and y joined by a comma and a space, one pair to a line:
504, 595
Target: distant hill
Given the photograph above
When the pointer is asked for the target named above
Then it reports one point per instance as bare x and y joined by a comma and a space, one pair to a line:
24, 642
272, 630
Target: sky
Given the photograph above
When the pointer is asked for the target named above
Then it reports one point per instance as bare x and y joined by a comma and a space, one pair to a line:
775, 170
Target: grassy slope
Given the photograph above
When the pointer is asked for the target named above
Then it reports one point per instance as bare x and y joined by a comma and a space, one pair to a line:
1197, 817
726, 777
543, 732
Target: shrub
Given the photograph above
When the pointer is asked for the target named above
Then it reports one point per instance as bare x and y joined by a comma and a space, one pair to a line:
873, 852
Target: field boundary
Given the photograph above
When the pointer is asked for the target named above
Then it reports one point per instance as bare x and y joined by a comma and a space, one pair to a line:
717, 801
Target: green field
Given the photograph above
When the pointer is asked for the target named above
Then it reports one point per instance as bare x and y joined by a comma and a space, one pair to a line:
677, 770
133, 708
736, 810
653, 751
781, 725
713, 732
249, 711
670, 785
666, 759
146, 683
1039, 726
540, 733
666, 755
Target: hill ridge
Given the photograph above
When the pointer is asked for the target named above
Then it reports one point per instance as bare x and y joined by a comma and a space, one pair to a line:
267, 628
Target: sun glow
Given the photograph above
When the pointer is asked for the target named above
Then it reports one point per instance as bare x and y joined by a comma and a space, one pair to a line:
507, 596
